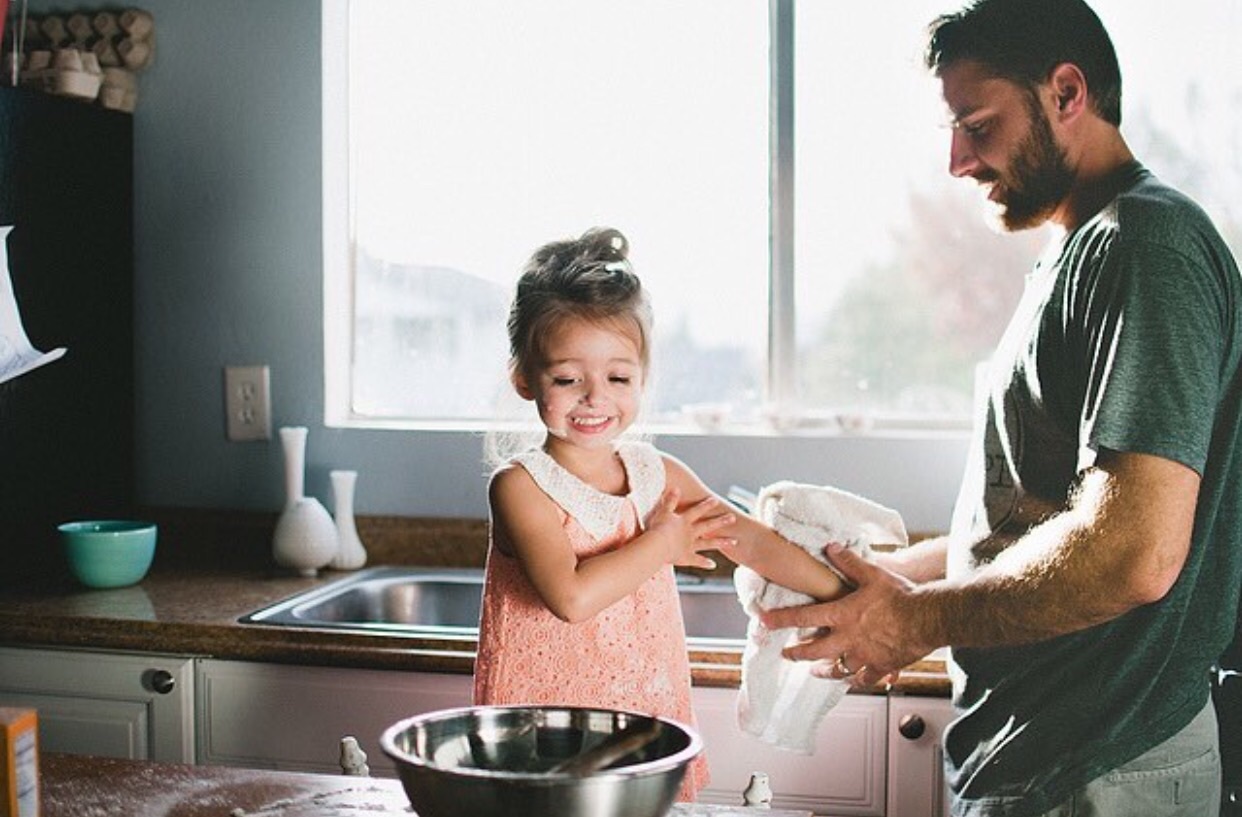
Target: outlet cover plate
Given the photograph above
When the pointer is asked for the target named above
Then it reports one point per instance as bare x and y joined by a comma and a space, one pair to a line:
247, 403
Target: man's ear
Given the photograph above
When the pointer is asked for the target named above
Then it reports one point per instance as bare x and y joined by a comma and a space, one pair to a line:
1069, 89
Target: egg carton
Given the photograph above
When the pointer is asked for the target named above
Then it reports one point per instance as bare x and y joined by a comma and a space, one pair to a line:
89, 56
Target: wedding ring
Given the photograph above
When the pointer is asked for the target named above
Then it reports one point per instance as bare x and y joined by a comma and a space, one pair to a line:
841, 667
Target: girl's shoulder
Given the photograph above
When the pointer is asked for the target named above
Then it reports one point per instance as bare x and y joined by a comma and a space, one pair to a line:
512, 492
505, 472
509, 482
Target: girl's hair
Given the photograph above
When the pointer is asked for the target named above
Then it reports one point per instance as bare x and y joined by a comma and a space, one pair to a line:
587, 278
582, 278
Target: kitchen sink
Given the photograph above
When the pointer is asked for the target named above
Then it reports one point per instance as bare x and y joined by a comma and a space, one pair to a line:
420, 601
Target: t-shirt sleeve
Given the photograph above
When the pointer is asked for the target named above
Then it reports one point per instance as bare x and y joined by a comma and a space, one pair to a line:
1155, 335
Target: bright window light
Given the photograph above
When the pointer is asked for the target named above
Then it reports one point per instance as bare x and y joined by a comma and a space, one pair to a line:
780, 169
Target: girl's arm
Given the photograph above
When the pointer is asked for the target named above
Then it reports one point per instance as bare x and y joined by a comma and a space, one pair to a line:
921, 562
527, 525
760, 548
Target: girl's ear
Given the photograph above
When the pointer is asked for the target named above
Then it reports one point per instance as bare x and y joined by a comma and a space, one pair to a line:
520, 385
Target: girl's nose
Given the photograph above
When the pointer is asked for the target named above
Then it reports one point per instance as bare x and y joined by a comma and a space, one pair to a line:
962, 158
590, 392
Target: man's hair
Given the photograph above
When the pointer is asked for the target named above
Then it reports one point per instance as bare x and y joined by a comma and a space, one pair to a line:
1023, 40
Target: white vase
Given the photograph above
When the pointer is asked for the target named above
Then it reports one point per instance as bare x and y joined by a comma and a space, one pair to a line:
305, 538
350, 554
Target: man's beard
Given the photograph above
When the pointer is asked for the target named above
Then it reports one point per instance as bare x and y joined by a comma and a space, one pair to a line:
1037, 181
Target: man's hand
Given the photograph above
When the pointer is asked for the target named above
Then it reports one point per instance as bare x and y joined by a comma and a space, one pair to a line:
867, 635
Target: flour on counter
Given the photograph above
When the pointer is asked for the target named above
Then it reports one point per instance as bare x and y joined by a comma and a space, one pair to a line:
347, 802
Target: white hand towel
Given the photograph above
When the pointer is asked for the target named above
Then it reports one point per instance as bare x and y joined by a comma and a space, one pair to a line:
780, 702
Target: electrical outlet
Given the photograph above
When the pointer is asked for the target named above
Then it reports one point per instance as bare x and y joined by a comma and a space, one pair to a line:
247, 404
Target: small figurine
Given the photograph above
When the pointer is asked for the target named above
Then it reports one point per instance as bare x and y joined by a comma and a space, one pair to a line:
353, 759
758, 794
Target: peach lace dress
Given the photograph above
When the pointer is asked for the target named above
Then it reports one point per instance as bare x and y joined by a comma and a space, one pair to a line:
631, 655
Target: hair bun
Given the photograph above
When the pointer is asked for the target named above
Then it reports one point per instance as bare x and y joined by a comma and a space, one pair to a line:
606, 243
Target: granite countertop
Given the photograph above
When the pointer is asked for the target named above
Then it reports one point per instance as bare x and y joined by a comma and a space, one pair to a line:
213, 568
196, 612
77, 785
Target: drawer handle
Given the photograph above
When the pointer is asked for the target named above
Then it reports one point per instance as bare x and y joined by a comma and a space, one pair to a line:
912, 727
162, 681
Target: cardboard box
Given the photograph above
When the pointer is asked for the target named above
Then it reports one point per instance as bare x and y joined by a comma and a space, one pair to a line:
19, 763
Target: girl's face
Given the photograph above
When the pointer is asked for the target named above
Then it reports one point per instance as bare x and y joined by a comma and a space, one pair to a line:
589, 387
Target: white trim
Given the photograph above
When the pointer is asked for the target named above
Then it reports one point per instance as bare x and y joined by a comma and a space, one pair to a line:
337, 224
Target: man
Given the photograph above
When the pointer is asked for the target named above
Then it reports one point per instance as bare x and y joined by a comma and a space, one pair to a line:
1091, 573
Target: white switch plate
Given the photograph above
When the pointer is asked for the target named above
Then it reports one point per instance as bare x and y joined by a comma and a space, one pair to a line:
247, 403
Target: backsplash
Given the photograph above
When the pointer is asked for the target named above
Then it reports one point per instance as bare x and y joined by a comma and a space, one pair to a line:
237, 539
223, 538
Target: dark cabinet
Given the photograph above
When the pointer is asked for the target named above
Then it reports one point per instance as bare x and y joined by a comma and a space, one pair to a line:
67, 428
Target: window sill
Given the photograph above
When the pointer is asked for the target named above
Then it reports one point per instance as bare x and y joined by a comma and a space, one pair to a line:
811, 426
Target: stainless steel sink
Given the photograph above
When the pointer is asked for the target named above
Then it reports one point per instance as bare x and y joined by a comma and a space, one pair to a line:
429, 601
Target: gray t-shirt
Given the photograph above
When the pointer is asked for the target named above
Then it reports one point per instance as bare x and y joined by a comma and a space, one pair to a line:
1128, 338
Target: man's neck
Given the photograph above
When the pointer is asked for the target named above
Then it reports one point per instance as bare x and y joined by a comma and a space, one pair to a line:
1101, 173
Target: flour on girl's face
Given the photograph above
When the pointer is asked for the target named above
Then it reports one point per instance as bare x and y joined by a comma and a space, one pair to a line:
589, 390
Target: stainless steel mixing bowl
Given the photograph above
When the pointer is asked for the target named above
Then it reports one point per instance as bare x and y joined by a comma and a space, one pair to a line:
491, 761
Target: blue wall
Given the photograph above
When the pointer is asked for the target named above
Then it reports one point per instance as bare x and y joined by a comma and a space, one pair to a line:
228, 272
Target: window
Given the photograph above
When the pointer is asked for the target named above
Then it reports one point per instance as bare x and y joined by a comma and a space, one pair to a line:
779, 167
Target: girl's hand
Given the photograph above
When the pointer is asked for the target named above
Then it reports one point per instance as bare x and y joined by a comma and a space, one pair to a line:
693, 529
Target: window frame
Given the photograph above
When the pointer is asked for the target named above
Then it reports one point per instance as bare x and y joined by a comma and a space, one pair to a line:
339, 232
781, 354
338, 225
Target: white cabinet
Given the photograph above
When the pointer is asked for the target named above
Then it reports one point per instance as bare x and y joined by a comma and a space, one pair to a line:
113, 704
916, 756
845, 776
293, 718
876, 756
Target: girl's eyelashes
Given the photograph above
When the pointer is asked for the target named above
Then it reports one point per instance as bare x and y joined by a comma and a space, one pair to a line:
570, 380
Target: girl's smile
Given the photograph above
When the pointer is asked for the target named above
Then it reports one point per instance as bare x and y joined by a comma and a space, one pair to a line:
592, 425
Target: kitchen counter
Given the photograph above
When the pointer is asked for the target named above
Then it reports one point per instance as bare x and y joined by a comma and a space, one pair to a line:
195, 611
214, 566
83, 786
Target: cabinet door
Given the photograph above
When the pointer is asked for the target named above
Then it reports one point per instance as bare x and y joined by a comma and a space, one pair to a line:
293, 718
916, 757
845, 776
110, 704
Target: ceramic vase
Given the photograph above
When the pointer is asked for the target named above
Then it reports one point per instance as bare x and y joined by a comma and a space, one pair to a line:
350, 554
305, 538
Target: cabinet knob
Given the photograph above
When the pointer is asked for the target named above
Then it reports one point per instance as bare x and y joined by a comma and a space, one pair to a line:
912, 727
162, 681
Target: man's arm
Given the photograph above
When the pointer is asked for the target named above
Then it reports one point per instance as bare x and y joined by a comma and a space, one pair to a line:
1119, 544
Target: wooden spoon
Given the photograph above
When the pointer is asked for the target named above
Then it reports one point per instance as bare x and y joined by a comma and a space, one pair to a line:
610, 749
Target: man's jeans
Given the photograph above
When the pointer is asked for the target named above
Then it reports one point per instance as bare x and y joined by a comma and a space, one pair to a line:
1178, 778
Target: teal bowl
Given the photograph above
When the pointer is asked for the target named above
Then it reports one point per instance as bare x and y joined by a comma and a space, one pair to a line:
110, 552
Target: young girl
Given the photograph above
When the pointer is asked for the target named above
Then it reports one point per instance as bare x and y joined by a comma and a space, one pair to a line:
580, 605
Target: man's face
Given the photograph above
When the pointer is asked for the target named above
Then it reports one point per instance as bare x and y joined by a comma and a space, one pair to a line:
1002, 138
